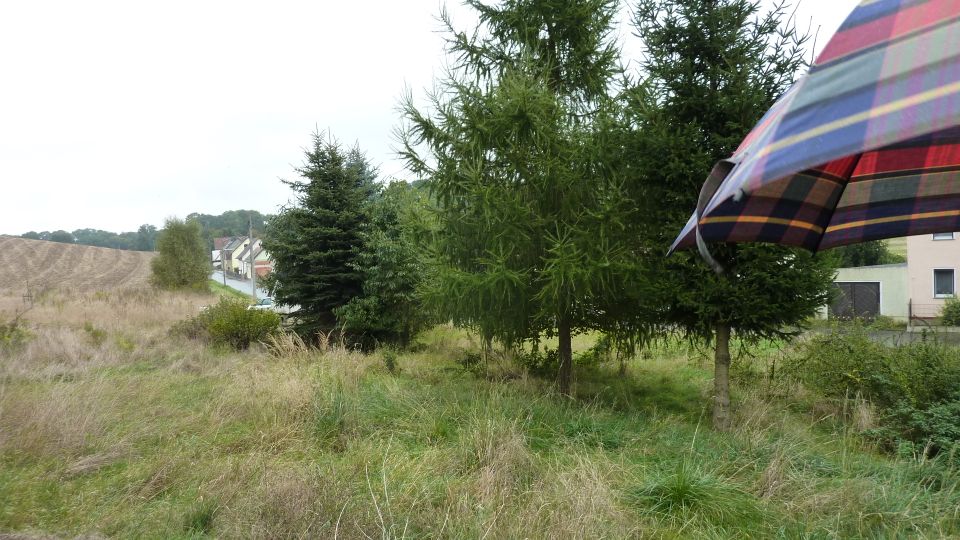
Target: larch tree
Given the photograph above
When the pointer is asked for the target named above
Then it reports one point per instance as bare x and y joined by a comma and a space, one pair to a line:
315, 240
512, 150
710, 70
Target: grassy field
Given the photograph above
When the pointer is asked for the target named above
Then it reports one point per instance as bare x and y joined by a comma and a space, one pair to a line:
220, 289
110, 427
37, 265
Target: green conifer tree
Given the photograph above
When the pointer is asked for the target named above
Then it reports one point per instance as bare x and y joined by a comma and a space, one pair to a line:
528, 211
712, 68
315, 241
392, 263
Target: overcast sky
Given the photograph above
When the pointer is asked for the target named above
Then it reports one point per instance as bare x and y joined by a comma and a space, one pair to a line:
119, 113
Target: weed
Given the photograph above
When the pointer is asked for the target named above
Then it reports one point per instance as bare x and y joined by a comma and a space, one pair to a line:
97, 336
199, 518
13, 336
390, 357
688, 492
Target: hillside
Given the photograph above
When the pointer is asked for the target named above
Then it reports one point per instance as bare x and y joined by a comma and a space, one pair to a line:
32, 264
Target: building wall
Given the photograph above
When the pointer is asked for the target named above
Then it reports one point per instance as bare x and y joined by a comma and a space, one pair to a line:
924, 254
894, 292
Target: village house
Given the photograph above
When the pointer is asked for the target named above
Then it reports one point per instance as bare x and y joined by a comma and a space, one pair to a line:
233, 253
916, 289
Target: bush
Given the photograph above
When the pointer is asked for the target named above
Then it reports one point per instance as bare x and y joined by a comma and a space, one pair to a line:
842, 364
231, 323
950, 316
182, 261
545, 363
883, 322
927, 431
13, 335
96, 335
915, 386
192, 328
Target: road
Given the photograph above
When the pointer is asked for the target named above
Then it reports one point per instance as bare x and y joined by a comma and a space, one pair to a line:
240, 285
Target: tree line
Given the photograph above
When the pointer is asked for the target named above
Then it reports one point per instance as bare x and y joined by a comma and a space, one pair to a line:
143, 239
229, 223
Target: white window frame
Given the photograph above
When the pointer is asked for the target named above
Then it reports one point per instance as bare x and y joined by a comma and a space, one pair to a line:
934, 276
942, 237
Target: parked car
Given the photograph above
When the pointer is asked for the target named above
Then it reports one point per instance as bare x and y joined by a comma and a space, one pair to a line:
268, 304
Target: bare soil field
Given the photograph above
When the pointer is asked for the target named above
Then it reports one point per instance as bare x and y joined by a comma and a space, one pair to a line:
38, 265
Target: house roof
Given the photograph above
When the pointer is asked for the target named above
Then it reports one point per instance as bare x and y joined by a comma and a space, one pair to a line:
245, 254
219, 243
261, 251
235, 242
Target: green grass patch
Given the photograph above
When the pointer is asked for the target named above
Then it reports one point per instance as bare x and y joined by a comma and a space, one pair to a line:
222, 290
330, 443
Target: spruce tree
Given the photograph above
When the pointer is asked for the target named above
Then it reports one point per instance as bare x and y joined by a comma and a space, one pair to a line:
393, 265
314, 241
512, 152
182, 261
711, 69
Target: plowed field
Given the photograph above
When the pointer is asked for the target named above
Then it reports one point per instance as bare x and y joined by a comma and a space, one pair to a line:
38, 264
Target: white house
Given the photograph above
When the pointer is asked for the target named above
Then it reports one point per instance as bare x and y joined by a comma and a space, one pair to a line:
915, 289
933, 261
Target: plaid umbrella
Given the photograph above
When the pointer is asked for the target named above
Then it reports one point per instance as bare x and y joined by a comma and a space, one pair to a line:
865, 146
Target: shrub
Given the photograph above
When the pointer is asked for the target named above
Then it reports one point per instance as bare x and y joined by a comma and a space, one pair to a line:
390, 357
950, 315
13, 335
182, 261
883, 322
192, 328
545, 363
96, 335
231, 323
930, 431
599, 353
915, 386
845, 363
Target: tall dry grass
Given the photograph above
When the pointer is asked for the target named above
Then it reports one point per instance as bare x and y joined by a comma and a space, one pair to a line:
110, 427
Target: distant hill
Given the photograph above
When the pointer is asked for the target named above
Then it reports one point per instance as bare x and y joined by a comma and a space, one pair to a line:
37, 264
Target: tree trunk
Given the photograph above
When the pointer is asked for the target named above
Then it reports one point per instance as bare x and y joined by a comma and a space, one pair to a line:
721, 379
565, 376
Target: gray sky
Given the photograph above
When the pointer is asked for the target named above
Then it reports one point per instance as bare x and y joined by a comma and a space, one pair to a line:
118, 113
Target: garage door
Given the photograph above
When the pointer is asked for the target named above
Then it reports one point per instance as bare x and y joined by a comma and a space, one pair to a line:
859, 299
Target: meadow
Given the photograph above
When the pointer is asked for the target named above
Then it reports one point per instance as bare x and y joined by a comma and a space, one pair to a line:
31, 266
109, 426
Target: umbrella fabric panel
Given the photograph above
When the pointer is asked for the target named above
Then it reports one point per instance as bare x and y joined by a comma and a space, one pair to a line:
905, 189
891, 73
901, 190
870, 100
795, 211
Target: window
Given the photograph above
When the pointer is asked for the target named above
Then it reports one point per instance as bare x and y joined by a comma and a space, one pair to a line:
943, 236
943, 283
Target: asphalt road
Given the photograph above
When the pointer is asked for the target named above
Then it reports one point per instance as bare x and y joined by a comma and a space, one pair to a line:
240, 285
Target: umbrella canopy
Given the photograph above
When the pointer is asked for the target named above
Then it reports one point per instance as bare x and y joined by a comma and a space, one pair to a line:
865, 146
